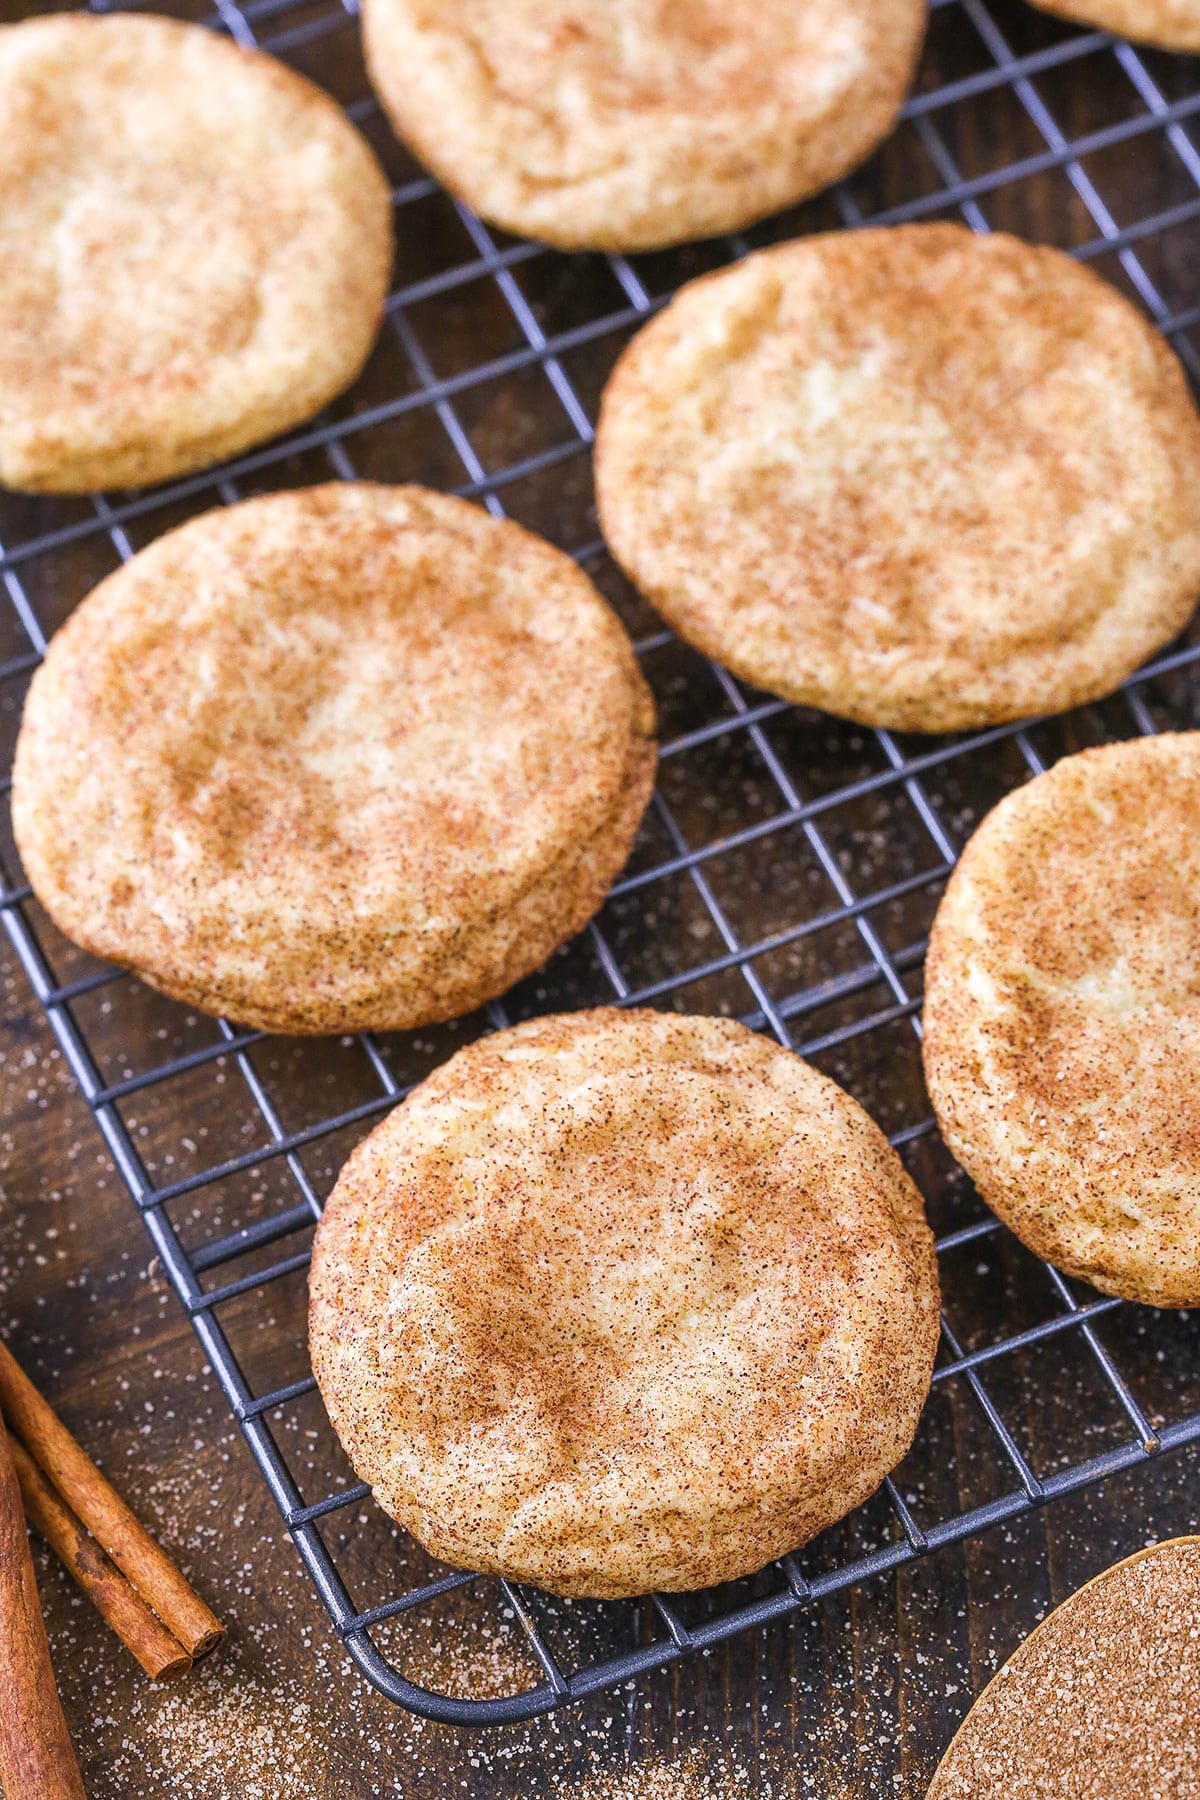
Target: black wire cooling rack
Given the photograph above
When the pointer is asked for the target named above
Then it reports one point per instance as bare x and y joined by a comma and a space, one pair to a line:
787, 872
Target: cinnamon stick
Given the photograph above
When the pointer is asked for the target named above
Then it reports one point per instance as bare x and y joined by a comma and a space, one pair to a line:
97, 1505
37, 1760
110, 1593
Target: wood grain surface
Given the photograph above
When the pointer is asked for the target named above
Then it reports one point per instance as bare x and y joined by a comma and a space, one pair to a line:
853, 1699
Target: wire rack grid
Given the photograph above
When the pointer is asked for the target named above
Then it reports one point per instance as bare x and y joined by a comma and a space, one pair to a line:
786, 874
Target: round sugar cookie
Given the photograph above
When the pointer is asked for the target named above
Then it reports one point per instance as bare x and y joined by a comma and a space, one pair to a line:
1171, 24
914, 477
623, 1300
347, 757
626, 124
1099, 1703
195, 246
1062, 1016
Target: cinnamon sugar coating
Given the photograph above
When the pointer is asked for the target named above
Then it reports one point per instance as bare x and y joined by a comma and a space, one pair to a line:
625, 124
623, 1300
195, 246
1062, 1016
347, 757
911, 476
1171, 24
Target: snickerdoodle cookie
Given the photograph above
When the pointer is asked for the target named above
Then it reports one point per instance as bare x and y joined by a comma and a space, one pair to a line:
351, 756
194, 250
617, 1301
1099, 1703
1171, 24
1062, 1016
623, 124
914, 477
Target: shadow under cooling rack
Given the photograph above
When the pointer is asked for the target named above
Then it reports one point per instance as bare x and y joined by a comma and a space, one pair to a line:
787, 872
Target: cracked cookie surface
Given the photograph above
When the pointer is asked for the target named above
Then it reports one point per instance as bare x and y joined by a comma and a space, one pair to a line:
195, 245
342, 758
618, 1301
625, 124
913, 477
1062, 1016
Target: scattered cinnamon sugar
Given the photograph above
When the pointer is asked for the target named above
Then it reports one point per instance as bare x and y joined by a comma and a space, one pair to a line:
223, 1731
699, 1774
1099, 1703
250, 1724
281, 1712
479, 1659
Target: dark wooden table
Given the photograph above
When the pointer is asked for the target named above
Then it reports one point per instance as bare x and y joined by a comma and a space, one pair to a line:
853, 1699
851, 1702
